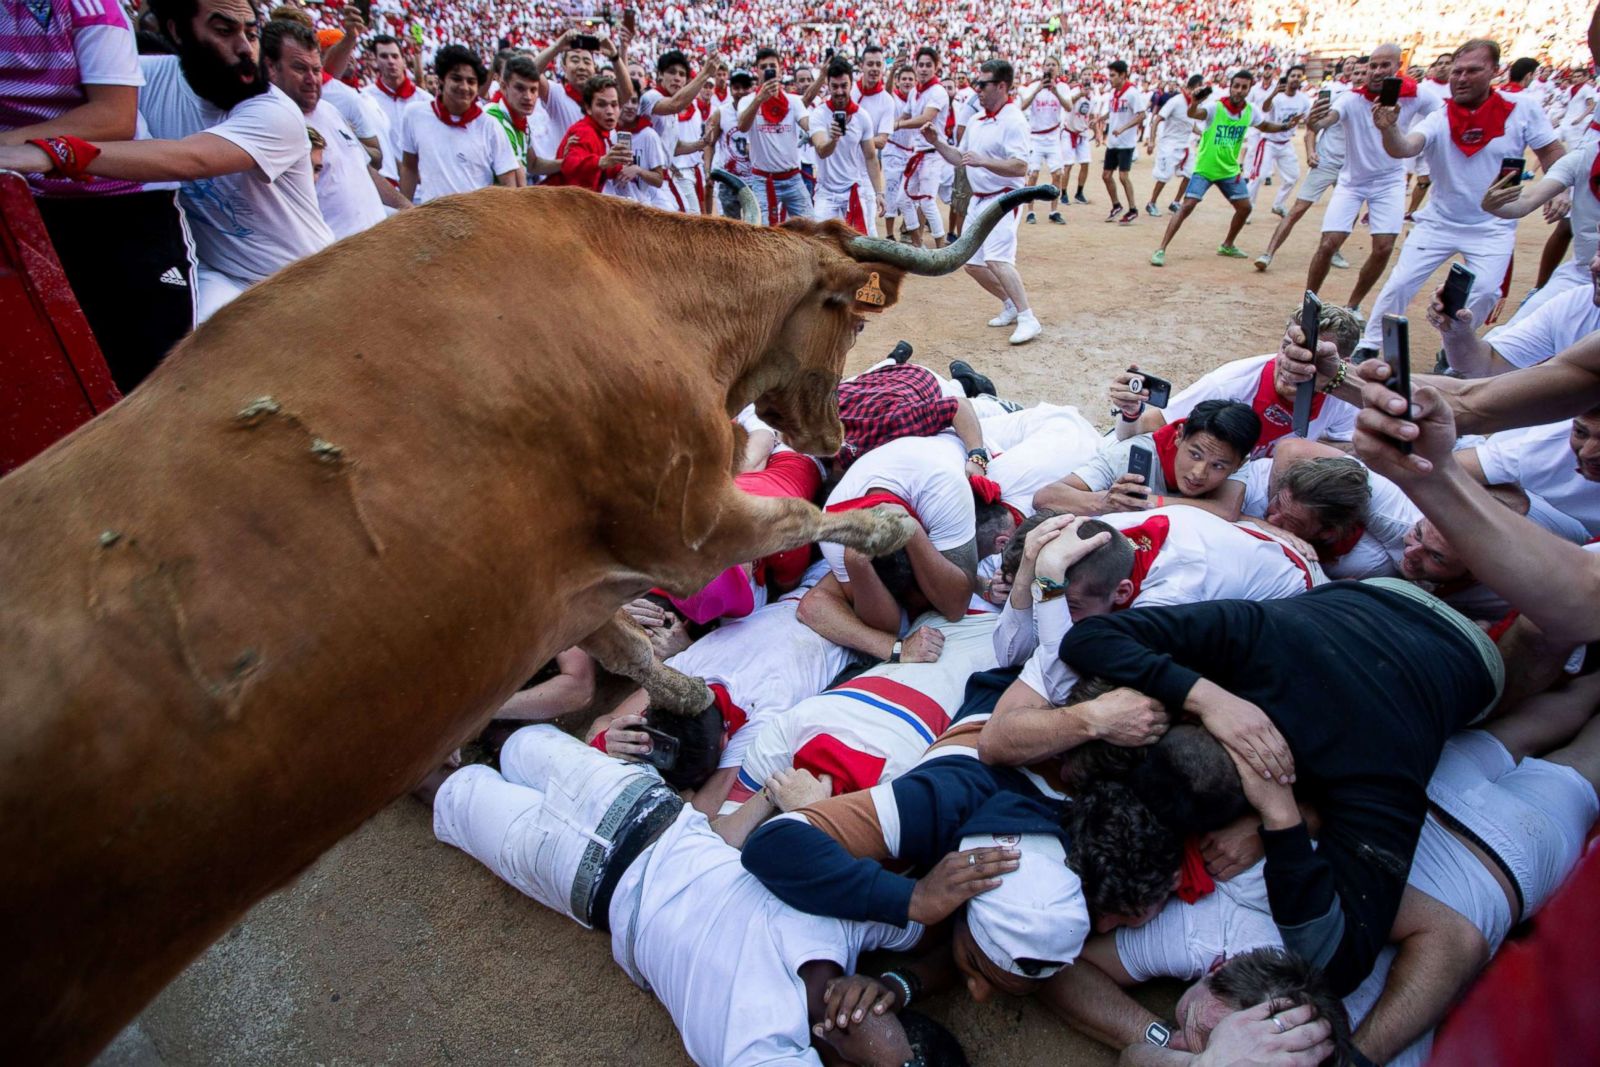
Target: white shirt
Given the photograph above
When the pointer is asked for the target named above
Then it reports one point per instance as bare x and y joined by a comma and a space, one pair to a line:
846, 165
1390, 514
775, 146
1578, 114
733, 145
893, 723
1438, 92
1239, 380
1203, 558
1044, 113
349, 104
879, 106
1284, 108
1460, 180
666, 126
561, 111
649, 153
452, 158
723, 954
1076, 119
1541, 460
1557, 324
1003, 135
345, 193
391, 108
249, 224
1035, 447
1176, 127
1366, 165
921, 100
1572, 170
1121, 110
929, 473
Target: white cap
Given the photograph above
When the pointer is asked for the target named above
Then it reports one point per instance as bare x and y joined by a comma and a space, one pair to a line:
1034, 922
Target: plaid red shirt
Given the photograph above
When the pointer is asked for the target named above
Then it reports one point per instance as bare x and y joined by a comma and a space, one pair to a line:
902, 400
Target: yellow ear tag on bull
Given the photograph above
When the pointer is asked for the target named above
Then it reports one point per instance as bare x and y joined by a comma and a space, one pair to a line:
871, 293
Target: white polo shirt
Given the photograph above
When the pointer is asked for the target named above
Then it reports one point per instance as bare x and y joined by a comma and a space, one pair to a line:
1003, 135
846, 165
1460, 180
1541, 460
452, 158
928, 473
250, 224
1367, 167
775, 143
345, 193
560, 109
1121, 108
1560, 322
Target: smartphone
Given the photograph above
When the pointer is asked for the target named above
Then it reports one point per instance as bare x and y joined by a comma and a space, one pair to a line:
769, 74
1510, 167
588, 42
1139, 460
624, 139
1457, 287
1306, 391
1201, 93
627, 19
1397, 353
1160, 390
663, 754
364, 9
841, 119
1283, 83
1389, 94
1325, 96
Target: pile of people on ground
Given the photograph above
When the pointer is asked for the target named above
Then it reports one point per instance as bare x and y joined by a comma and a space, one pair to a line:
1201, 697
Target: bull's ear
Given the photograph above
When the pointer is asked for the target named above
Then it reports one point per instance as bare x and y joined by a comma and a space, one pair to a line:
867, 287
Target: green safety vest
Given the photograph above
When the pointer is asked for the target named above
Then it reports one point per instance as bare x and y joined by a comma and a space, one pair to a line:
1223, 143
519, 138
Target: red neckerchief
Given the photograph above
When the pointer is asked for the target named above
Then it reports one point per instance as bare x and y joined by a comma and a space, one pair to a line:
575, 95
640, 122
720, 94
1166, 442
1118, 94
864, 91
451, 120
407, 90
1408, 88
901, 96
1437, 81
989, 115
849, 109
1511, 87
498, 97
775, 109
326, 77
1194, 881
1147, 538
687, 114
1344, 546
1473, 128
518, 122
1276, 420
702, 106
871, 500
930, 83
1227, 102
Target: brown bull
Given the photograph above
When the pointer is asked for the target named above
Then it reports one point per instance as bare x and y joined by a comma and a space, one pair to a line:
265, 594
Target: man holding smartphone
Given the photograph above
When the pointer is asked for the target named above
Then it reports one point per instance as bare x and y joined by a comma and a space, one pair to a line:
1465, 143
1370, 176
849, 182
773, 119
1274, 152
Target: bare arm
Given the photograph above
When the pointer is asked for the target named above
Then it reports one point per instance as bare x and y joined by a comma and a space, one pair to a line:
545, 58
810, 95
869, 154
200, 155
1397, 143
671, 105
1025, 728
388, 193
1070, 495
513, 179
1027, 97
570, 690
874, 604
408, 176
108, 114
825, 609
1085, 997
916, 122
737, 826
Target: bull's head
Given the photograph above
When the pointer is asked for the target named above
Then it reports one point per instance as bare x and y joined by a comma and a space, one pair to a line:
857, 276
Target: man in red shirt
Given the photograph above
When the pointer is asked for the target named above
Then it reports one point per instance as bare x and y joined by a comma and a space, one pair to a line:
589, 158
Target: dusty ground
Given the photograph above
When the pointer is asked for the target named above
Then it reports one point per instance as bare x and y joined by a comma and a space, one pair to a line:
395, 949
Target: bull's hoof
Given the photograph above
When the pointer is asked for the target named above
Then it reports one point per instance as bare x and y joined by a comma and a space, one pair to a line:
677, 693
888, 528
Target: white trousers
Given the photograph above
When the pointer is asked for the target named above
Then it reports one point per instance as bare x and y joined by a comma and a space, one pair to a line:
825, 205
1426, 250
1269, 157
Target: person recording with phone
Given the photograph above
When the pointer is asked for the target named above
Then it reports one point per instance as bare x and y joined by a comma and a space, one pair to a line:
849, 180
1465, 144
592, 154
1569, 181
772, 119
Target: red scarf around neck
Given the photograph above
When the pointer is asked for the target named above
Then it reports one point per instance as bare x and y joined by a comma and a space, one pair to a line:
775, 109
407, 90
1118, 94
1473, 128
1147, 538
518, 122
720, 94
925, 86
451, 120
1276, 420
1194, 881
1408, 88
1227, 102
1341, 548
874, 91
1166, 442
573, 94
687, 114
1511, 87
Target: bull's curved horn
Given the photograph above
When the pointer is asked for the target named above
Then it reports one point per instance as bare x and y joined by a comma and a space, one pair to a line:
944, 260
749, 210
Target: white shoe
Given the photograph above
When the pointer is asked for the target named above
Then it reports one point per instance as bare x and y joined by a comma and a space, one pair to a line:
1006, 317
1027, 329
1340, 262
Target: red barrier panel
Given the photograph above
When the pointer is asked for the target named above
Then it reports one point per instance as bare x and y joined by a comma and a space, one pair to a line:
52, 376
1539, 1001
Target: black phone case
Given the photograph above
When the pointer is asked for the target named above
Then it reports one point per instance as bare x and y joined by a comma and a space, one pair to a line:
1397, 353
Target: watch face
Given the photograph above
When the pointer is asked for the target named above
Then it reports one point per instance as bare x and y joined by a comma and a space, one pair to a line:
1159, 1035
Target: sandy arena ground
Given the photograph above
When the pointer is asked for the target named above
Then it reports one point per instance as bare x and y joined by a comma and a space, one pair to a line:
396, 949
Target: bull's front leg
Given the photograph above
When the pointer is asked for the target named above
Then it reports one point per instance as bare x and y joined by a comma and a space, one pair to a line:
621, 646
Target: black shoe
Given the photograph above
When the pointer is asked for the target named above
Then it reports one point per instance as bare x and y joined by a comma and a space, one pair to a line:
1362, 354
1441, 365
972, 383
900, 352
1055, 217
1031, 219
1080, 198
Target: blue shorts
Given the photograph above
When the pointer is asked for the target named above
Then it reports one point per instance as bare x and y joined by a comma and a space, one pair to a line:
1233, 188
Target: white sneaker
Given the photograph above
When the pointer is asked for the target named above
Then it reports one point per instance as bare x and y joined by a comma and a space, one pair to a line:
1340, 262
1007, 316
1028, 328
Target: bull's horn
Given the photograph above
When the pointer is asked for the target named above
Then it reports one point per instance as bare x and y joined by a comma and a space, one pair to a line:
749, 210
944, 260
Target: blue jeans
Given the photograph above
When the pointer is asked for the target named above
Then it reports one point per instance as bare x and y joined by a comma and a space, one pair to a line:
789, 192
1233, 188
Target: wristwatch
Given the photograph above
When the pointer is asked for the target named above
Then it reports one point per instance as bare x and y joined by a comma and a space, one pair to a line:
980, 456
1158, 1035
894, 653
1045, 589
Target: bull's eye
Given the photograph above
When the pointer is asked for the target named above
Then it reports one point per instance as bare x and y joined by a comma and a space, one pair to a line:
861, 324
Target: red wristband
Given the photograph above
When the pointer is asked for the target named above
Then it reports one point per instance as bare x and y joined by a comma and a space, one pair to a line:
71, 156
